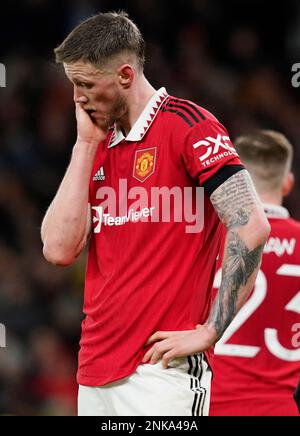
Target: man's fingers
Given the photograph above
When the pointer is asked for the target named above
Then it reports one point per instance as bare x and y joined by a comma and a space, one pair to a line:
167, 357
79, 110
153, 354
157, 351
165, 353
81, 99
158, 336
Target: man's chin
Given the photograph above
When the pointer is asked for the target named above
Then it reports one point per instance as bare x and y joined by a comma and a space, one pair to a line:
103, 123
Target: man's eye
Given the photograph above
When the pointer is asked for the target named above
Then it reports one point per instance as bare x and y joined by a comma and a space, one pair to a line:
85, 85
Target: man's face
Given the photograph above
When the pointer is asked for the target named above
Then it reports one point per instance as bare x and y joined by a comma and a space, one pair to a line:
98, 91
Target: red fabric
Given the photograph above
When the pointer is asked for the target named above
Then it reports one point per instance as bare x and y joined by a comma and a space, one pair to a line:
264, 384
148, 276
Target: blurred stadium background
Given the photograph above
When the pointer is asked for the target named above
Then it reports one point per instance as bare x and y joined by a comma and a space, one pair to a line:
232, 57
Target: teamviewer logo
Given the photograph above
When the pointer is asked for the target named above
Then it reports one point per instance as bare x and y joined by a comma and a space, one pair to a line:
2, 336
2, 76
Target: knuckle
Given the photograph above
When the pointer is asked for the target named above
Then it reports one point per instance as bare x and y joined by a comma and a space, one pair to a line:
157, 347
166, 357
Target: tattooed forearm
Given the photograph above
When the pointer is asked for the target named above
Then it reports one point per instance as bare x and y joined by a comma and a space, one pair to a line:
239, 264
239, 208
234, 200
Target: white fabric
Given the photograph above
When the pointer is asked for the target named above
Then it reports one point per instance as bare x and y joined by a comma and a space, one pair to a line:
274, 211
143, 123
181, 390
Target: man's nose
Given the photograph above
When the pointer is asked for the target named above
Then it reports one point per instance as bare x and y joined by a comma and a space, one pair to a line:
79, 97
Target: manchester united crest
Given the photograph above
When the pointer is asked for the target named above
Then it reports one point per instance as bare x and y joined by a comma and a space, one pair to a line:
144, 164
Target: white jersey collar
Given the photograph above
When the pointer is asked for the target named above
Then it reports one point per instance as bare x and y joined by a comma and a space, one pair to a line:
274, 211
144, 121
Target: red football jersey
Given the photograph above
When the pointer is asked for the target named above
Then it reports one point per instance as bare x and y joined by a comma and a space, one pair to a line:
146, 272
257, 362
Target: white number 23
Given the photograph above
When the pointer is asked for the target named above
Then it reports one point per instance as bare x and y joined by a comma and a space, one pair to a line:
270, 335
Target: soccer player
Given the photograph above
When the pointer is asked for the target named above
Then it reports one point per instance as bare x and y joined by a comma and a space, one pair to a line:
149, 276
257, 363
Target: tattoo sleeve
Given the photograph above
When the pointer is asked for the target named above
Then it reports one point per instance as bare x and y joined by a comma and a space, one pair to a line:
235, 201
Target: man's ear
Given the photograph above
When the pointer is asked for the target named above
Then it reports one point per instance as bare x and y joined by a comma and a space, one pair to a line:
288, 184
126, 75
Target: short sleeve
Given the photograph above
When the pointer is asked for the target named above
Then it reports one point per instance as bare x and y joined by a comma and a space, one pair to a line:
207, 150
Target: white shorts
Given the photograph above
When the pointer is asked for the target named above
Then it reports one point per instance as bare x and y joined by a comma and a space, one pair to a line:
181, 390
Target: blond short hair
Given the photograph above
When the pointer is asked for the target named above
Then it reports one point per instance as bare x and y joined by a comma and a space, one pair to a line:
268, 156
100, 38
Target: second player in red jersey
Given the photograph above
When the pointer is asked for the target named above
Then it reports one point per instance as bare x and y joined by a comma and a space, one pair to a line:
257, 362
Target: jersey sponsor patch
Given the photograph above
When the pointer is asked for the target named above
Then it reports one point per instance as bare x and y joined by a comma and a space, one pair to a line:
214, 149
99, 176
144, 164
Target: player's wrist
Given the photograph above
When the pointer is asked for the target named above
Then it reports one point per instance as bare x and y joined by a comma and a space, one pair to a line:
85, 149
86, 143
210, 333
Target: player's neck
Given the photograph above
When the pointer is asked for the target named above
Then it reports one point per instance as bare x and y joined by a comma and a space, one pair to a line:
274, 198
141, 94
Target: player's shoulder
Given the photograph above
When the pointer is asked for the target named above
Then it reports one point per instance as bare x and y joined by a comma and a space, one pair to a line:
284, 238
285, 227
293, 224
186, 114
288, 222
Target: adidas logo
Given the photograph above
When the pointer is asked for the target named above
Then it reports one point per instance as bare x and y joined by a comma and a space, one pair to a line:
99, 176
